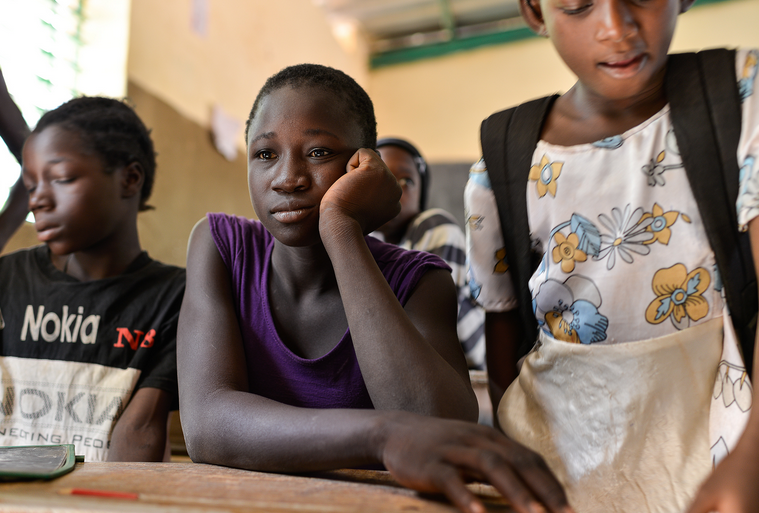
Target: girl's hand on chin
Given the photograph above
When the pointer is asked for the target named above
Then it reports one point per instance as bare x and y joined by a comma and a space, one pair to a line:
368, 193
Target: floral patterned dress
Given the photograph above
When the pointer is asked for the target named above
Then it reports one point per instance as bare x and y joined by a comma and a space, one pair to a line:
625, 252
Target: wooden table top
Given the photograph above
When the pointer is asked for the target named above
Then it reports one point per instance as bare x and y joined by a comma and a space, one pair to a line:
192, 487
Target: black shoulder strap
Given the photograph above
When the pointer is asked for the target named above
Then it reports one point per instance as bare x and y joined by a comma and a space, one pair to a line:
706, 115
508, 141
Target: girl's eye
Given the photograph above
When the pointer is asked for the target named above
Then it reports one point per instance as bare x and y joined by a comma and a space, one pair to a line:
64, 180
405, 182
319, 152
576, 10
265, 155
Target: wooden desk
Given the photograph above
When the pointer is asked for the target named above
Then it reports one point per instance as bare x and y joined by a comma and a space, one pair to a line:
191, 487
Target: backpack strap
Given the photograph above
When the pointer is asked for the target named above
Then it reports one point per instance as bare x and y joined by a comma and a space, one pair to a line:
508, 141
706, 115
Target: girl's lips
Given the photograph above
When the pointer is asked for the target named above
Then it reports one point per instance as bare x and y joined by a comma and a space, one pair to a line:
624, 68
292, 216
46, 233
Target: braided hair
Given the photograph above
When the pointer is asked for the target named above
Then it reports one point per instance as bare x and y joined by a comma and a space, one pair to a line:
111, 129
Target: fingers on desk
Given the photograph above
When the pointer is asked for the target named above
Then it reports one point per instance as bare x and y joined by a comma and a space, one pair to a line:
521, 476
450, 483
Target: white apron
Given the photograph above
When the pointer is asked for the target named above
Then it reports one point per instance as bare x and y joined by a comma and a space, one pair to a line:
625, 427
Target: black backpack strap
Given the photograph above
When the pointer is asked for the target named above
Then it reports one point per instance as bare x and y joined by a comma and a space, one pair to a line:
706, 115
508, 141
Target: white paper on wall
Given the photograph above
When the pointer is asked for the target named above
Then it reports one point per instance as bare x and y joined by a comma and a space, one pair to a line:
227, 131
200, 17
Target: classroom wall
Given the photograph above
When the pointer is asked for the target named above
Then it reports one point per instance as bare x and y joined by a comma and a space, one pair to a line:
245, 42
439, 103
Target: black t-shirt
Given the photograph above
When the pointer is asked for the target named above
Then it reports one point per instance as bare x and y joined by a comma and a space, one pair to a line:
123, 326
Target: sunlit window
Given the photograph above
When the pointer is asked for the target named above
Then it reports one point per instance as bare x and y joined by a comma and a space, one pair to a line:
40, 42
54, 50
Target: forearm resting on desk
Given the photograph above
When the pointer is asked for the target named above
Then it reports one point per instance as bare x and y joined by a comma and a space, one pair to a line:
424, 453
141, 432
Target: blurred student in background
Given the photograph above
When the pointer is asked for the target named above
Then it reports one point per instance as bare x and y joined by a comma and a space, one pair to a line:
432, 230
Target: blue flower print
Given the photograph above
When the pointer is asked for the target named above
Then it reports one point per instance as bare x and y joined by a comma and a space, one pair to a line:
569, 310
610, 143
717, 279
748, 192
748, 75
748, 165
474, 287
479, 175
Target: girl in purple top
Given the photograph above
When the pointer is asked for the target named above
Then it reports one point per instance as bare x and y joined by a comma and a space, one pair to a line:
304, 345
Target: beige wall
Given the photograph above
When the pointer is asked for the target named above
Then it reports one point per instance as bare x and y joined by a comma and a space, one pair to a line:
247, 41
439, 103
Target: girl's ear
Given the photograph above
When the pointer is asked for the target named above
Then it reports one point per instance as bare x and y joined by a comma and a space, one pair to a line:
533, 16
132, 177
685, 5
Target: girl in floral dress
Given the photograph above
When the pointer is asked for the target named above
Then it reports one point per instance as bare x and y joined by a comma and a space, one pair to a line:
637, 387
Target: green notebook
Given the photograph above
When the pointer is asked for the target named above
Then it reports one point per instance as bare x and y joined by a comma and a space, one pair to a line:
36, 461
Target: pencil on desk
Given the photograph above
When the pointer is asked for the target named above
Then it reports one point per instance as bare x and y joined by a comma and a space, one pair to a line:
99, 493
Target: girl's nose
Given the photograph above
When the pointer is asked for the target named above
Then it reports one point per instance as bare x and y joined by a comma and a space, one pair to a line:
616, 21
40, 197
292, 176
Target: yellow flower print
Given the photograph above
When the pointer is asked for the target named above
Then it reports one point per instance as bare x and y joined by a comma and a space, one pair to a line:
748, 75
546, 173
500, 266
566, 251
561, 329
749, 65
660, 225
475, 222
679, 294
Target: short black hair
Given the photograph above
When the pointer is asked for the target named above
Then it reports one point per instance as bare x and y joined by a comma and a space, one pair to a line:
328, 79
112, 130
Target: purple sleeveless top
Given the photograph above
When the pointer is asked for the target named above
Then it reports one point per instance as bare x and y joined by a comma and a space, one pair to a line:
331, 381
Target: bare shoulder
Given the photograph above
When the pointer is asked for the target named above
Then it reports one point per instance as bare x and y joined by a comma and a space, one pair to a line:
200, 234
202, 254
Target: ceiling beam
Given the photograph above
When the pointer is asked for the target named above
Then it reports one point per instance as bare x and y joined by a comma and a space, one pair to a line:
416, 53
